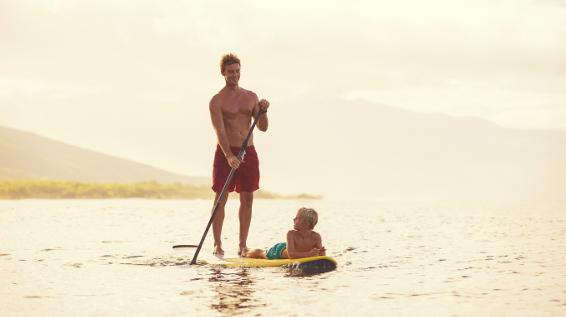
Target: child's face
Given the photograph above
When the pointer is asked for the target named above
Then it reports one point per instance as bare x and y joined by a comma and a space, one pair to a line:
299, 223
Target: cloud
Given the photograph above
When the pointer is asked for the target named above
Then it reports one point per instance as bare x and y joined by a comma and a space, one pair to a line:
369, 43
561, 3
158, 61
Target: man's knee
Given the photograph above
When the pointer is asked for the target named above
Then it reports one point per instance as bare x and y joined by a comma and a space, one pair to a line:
246, 199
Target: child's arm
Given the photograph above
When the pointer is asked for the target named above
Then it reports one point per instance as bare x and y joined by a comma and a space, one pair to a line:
294, 254
319, 246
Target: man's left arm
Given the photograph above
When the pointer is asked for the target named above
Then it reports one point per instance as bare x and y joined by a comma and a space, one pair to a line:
263, 121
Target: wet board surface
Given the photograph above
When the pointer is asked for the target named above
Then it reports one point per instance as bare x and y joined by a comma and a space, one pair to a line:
322, 263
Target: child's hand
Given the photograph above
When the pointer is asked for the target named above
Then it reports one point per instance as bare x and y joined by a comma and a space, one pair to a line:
317, 251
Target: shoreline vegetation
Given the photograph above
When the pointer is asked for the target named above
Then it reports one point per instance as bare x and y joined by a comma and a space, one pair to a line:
54, 189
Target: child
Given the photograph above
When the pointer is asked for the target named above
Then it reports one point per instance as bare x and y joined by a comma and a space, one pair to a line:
302, 241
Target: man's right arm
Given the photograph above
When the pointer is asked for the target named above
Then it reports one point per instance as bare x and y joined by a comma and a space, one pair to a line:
218, 124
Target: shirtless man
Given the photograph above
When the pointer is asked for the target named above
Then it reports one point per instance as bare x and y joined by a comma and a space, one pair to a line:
231, 111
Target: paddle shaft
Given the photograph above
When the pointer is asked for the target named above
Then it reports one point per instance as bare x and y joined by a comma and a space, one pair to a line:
241, 155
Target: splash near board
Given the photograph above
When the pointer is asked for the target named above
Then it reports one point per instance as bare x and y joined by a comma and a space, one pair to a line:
314, 263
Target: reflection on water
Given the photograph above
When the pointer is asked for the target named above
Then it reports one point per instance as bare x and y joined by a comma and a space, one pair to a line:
234, 291
145, 261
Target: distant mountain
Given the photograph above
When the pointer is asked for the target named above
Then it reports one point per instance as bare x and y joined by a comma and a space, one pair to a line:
25, 155
373, 150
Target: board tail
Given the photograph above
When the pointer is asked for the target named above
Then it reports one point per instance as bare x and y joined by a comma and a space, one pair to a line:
312, 267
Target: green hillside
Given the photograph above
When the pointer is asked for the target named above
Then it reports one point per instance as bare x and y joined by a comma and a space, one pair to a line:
25, 155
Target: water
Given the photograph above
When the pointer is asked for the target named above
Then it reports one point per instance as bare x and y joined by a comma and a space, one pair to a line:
114, 258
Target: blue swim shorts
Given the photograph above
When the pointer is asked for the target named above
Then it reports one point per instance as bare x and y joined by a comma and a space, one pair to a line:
275, 251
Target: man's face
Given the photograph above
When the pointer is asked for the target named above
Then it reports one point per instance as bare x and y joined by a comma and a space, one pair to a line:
232, 74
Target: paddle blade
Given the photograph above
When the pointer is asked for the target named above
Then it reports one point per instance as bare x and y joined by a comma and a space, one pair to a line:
185, 246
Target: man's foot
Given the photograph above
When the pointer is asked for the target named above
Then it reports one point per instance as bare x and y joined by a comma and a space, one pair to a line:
218, 251
242, 251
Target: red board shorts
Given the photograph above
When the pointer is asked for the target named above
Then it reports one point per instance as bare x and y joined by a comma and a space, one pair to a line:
246, 177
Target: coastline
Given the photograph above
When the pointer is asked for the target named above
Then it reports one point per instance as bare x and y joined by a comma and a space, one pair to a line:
59, 189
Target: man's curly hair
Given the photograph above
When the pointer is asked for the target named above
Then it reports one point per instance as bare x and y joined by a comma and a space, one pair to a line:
228, 59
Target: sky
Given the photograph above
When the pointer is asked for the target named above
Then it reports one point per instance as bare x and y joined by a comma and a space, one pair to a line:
134, 78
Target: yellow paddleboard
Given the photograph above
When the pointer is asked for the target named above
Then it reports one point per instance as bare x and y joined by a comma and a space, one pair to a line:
325, 262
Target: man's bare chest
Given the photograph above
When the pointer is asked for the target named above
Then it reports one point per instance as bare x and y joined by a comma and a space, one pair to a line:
237, 107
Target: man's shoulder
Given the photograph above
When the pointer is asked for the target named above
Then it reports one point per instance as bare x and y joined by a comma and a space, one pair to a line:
249, 93
215, 100
219, 94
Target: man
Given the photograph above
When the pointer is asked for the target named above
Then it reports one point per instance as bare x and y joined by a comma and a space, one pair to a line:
232, 110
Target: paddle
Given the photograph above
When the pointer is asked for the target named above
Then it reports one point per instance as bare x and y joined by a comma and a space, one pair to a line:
241, 155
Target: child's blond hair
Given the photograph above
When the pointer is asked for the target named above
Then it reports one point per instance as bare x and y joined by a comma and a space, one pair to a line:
310, 215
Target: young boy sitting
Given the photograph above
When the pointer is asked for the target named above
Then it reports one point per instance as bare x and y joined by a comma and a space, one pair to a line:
302, 241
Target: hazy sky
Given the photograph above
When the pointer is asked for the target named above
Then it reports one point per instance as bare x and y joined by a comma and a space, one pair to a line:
133, 78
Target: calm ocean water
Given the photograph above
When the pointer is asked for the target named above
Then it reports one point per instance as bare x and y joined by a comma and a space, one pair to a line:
114, 258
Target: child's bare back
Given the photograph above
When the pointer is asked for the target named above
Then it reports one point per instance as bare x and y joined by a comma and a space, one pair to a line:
304, 243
